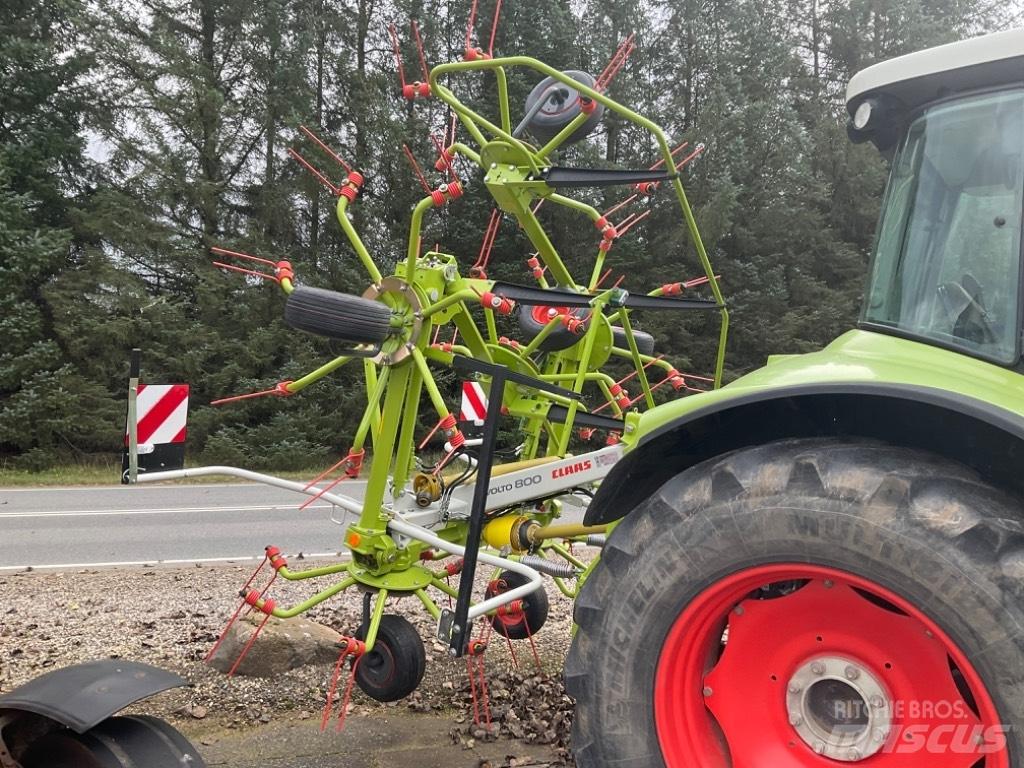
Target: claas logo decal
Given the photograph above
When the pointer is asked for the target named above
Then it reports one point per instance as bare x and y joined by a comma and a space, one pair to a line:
571, 469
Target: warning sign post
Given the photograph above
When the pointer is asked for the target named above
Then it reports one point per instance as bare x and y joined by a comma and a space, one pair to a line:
156, 426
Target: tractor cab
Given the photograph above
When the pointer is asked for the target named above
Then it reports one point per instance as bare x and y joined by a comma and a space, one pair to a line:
947, 260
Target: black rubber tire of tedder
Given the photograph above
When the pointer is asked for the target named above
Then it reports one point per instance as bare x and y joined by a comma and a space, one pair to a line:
135, 741
923, 528
337, 315
394, 667
644, 341
535, 608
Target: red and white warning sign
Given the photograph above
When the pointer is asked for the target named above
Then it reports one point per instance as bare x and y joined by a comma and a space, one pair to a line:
162, 413
474, 403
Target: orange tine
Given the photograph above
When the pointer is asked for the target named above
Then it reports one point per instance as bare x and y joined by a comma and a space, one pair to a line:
244, 271
240, 255
320, 177
325, 148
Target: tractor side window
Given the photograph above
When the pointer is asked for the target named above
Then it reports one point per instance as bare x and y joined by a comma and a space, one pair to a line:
947, 256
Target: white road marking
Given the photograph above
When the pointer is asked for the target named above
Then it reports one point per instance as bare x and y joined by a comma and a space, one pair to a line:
168, 511
184, 561
114, 486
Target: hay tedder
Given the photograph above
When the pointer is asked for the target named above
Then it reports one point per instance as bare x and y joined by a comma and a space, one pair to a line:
821, 563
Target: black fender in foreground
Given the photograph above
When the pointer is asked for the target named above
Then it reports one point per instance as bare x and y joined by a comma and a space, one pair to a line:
985, 437
83, 695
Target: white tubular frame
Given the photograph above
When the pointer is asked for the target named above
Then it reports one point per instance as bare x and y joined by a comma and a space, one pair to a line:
345, 502
479, 609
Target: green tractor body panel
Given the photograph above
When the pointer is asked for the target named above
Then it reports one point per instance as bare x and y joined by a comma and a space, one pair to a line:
863, 385
864, 356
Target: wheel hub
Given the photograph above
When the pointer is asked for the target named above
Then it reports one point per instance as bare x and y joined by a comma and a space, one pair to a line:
839, 708
804, 666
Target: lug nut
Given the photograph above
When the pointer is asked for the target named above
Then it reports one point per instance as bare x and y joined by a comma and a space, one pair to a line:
794, 688
795, 720
818, 668
851, 672
877, 702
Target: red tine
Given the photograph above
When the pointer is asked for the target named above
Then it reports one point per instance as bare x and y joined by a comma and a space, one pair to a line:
494, 29
633, 222
248, 396
325, 148
470, 23
240, 255
618, 59
416, 167
244, 271
320, 177
619, 205
448, 164
419, 48
398, 54
673, 153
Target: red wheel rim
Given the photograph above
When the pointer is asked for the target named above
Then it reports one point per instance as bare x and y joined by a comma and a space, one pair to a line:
543, 314
822, 662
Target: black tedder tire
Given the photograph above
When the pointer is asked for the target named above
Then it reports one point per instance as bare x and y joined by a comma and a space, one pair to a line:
394, 667
337, 315
136, 741
532, 320
534, 613
644, 341
735, 610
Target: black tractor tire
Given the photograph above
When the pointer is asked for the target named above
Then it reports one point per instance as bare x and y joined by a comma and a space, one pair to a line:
394, 667
535, 608
924, 529
337, 315
135, 741
644, 341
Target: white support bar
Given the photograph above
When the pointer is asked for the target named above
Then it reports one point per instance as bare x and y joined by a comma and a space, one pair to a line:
534, 583
345, 502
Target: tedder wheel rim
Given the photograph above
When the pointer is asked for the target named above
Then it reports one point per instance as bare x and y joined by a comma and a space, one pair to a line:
806, 666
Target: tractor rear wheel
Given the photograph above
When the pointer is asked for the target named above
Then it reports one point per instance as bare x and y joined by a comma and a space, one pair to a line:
802, 604
117, 742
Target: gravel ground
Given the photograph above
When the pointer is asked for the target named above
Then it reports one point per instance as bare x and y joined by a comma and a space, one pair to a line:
169, 617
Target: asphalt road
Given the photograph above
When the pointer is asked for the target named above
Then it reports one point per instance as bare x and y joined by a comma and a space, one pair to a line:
142, 524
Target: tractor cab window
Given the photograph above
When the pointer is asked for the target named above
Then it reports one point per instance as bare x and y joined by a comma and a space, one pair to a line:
947, 258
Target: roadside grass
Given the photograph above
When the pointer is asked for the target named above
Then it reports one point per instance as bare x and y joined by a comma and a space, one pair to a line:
108, 472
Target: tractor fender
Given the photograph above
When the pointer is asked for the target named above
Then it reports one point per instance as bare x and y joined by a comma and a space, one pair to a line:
987, 438
83, 695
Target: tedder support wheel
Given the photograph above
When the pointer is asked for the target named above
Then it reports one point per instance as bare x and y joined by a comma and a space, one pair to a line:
136, 741
805, 604
337, 315
521, 624
644, 341
394, 667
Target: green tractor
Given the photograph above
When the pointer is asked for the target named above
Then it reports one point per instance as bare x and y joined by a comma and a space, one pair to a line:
823, 562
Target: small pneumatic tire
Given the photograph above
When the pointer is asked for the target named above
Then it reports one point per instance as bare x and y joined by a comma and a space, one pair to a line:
535, 608
394, 667
337, 315
644, 341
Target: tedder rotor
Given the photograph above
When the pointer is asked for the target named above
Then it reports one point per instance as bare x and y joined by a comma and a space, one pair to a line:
423, 519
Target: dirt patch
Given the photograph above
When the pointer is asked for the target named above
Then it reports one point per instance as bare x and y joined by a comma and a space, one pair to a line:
169, 617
